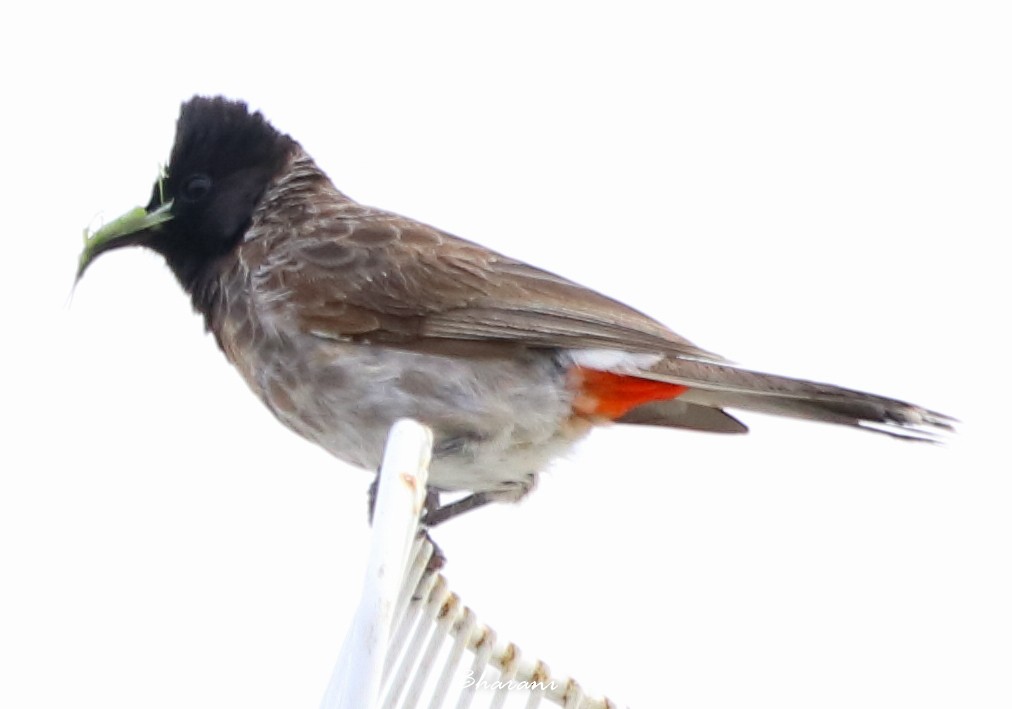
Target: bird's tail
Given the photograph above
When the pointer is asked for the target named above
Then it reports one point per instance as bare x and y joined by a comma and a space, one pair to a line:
715, 385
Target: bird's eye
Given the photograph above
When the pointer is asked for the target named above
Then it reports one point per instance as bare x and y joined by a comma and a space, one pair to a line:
196, 187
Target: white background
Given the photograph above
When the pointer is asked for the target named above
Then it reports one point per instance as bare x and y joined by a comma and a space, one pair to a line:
816, 189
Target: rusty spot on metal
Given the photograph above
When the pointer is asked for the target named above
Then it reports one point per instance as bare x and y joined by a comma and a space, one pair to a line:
509, 657
541, 672
466, 619
571, 688
485, 633
409, 481
449, 606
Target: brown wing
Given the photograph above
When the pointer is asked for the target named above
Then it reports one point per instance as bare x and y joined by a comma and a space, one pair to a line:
361, 273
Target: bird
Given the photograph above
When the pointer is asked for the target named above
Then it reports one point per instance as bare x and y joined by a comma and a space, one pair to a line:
343, 318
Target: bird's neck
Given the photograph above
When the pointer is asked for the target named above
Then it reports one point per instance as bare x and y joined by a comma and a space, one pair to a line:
204, 283
295, 196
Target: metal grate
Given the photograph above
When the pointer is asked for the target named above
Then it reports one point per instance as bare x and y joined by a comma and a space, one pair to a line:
413, 643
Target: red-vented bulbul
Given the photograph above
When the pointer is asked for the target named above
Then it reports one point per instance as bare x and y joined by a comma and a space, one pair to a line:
343, 318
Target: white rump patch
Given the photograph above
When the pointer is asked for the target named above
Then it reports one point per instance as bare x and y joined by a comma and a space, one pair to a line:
616, 361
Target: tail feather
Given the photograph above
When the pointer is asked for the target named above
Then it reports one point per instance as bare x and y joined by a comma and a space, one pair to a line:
719, 385
678, 413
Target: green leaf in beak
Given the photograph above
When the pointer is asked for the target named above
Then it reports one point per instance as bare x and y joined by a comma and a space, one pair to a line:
118, 232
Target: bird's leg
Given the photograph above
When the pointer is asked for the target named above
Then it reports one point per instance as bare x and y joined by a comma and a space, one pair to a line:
433, 510
373, 491
437, 514
431, 501
438, 559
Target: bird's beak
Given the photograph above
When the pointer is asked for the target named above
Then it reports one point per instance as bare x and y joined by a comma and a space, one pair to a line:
132, 228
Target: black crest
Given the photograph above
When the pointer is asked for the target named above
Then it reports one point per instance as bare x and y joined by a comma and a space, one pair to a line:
218, 137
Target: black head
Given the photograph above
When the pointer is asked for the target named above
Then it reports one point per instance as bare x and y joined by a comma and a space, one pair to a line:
223, 159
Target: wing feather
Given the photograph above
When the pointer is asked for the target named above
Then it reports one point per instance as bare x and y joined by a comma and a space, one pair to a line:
372, 275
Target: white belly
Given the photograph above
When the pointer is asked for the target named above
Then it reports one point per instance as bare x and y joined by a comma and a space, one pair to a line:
497, 421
